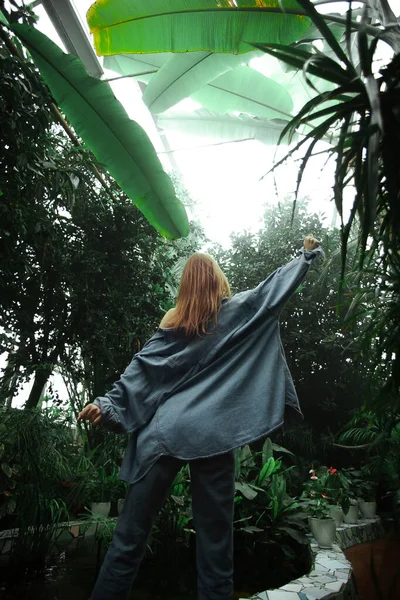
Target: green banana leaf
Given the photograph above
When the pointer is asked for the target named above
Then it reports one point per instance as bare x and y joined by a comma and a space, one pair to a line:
245, 90
223, 128
135, 65
146, 26
117, 142
185, 73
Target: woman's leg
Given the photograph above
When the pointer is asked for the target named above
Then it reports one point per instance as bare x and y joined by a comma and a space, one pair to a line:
213, 489
142, 505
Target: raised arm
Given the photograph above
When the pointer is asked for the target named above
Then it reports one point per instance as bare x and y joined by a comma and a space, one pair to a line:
275, 291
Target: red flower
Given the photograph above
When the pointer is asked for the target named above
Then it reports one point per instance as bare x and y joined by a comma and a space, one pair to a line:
324, 496
332, 471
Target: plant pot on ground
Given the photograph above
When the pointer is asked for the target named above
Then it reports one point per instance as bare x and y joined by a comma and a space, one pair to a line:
102, 489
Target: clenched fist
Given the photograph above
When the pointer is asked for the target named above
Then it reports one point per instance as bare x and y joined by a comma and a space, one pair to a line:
310, 242
91, 413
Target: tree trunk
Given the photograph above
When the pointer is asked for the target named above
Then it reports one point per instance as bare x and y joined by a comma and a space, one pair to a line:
9, 381
41, 377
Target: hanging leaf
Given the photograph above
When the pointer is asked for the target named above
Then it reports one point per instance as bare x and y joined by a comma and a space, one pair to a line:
223, 128
117, 142
147, 26
142, 66
185, 73
244, 90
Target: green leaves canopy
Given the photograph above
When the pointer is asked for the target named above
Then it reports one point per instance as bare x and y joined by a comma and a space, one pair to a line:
143, 26
141, 66
247, 91
184, 74
223, 127
119, 143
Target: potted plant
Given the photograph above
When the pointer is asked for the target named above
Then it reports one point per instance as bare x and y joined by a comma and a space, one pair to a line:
322, 524
367, 501
100, 491
337, 488
354, 477
317, 503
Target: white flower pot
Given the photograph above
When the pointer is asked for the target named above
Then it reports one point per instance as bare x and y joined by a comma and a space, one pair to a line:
120, 505
101, 508
368, 509
337, 514
352, 515
324, 531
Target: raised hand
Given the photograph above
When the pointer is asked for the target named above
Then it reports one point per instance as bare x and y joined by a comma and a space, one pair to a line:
310, 242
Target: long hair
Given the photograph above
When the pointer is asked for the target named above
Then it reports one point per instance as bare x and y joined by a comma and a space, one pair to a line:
202, 287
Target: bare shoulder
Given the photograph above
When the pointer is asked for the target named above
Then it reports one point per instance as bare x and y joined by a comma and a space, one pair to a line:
170, 313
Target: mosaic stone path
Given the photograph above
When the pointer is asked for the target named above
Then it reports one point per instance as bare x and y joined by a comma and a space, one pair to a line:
331, 577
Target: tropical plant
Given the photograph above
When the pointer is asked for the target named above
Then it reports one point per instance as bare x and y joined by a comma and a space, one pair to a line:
102, 486
359, 118
261, 501
98, 118
378, 435
34, 448
83, 278
364, 110
326, 487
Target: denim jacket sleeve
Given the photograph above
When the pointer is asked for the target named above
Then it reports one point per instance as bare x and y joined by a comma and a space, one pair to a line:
275, 291
132, 400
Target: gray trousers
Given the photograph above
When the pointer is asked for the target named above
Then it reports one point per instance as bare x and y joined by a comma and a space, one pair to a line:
212, 500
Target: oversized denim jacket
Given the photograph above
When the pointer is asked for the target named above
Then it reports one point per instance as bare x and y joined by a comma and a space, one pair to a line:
217, 392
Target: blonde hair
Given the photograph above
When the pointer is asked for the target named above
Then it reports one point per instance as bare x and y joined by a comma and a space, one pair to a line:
202, 287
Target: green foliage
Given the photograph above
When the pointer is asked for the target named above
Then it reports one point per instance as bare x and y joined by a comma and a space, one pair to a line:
325, 487
84, 279
34, 448
360, 115
378, 434
262, 505
117, 142
184, 27
364, 113
103, 487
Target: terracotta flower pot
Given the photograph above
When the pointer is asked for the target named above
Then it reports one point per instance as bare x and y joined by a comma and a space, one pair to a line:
368, 509
324, 531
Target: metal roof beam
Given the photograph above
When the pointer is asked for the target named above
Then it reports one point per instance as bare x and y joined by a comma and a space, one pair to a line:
69, 28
